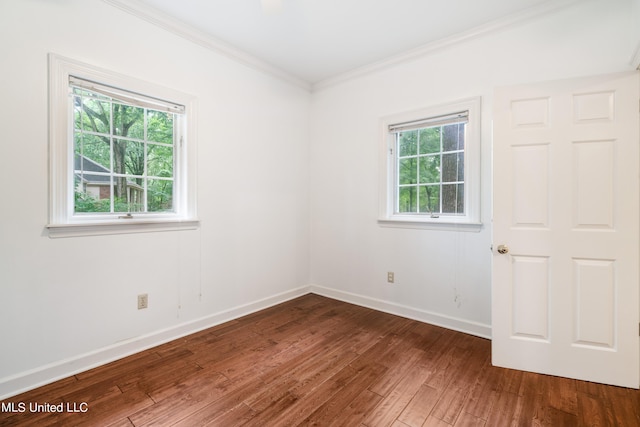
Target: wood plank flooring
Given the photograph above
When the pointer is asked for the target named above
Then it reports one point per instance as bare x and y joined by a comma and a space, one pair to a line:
317, 361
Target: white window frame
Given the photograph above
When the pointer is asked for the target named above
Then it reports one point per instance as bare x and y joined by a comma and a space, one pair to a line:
470, 220
63, 222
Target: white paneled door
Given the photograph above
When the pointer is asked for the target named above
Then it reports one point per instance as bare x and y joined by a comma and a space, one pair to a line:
566, 229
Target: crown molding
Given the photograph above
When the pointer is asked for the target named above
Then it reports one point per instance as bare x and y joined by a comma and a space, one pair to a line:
509, 21
188, 32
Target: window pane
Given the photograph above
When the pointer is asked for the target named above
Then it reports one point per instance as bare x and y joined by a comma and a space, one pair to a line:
160, 126
429, 169
159, 195
430, 140
128, 157
453, 198
159, 161
408, 200
407, 171
92, 193
128, 121
92, 115
93, 153
77, 112
452, 167
453, 137
407, 143
460, 198
430, 198
120, 205
131, 199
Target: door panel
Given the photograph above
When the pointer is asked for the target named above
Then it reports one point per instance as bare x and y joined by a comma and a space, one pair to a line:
566, 204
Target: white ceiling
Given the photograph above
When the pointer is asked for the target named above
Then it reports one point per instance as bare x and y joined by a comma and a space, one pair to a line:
317, 40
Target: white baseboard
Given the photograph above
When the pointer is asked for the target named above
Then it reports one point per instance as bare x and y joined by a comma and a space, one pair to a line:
473, 328
25, 381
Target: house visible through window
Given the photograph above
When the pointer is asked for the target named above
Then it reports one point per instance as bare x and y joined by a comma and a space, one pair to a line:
431, 166
123, 151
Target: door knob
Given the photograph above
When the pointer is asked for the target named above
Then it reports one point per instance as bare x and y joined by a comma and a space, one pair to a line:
503, 249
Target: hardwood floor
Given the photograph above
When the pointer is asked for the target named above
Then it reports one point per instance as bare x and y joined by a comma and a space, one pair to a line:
317, 361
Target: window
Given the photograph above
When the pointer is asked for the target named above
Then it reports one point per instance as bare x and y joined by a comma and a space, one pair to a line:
123, 150
121, 159
430, 163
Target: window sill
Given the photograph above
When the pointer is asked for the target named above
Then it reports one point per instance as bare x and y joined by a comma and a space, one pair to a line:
120, 227
442, 223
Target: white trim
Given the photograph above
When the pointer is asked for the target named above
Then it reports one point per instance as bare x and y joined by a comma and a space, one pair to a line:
471, 220
461, 325
188, 32
25, 381
133, 226
512, 20
62, 221
441, 224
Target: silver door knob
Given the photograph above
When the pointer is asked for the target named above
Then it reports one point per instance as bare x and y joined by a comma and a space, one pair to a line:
503, 249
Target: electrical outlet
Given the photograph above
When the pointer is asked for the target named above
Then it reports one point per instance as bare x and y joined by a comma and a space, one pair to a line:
143, 301
390, 277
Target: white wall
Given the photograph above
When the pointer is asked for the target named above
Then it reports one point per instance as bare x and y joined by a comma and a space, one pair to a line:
69, 303
442, 277
259, 139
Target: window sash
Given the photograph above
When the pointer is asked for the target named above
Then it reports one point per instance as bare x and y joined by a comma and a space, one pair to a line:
398, 186
127, 97
115, 97
448, 119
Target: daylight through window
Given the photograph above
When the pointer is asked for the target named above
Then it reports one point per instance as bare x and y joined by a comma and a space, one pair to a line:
430, 166
124, 150
122, 153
